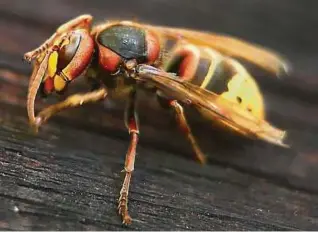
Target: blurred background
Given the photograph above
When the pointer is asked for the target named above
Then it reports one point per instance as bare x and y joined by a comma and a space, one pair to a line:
288, 26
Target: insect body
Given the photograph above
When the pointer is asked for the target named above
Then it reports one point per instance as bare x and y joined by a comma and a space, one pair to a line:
184, 67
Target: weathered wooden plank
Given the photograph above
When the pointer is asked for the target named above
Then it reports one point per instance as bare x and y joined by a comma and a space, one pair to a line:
76, 184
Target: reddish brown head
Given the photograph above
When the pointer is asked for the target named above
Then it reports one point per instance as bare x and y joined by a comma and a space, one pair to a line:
60, 62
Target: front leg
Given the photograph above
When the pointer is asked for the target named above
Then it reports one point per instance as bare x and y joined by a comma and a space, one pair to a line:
70, 102
131, 120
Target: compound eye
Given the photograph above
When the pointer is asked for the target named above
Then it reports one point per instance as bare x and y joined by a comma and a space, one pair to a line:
67, 52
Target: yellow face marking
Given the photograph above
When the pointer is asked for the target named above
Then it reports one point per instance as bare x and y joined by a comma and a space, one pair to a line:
216, 58
54, 58
52, 64
59, 83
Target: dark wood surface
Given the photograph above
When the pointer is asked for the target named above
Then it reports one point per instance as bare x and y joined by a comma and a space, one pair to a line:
68, 176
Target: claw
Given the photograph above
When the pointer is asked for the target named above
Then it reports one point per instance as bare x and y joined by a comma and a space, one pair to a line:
34, 126
127, 220
34, 129
38, 121
122, 211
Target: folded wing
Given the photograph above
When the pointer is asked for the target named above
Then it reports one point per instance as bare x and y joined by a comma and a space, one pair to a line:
212, 106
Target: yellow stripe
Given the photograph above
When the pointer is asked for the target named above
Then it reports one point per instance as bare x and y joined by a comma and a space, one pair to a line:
216, 58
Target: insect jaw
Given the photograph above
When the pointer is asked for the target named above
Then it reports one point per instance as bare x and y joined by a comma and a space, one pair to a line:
129, 68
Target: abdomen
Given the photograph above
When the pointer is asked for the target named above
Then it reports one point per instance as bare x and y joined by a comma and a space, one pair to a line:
205, 67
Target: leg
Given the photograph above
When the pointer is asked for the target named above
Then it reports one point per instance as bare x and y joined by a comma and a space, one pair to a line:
184, 127
131, 121
70, 102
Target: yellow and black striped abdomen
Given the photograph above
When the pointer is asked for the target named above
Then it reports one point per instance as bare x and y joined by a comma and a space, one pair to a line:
214, 72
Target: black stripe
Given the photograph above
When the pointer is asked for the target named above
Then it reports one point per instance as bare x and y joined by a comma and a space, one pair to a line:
169, 44
201, 72
219, 80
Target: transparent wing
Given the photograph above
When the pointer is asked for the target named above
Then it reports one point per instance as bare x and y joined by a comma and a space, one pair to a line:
211, 105
230, 46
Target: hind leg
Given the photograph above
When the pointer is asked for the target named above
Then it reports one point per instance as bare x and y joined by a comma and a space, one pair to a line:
183, 125
186, 130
